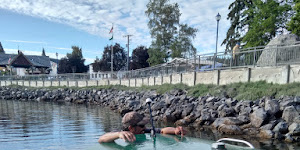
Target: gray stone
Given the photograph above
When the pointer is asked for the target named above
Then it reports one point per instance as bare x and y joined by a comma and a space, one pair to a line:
288, 138
231, 102
272, 106
218, 122
226, 112
289, 114
266, 134
211, 99
294, 129
281, 127
258, 117
230, 129
269, 126
286, 103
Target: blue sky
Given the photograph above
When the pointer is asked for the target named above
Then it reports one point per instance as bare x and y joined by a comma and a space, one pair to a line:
56, 25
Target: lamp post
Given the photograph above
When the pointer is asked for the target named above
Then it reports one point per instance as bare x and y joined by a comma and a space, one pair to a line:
218, 18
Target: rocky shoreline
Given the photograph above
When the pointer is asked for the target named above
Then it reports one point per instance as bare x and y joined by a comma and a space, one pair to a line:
266, 118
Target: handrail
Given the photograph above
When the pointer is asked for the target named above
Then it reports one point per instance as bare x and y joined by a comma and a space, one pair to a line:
236, 140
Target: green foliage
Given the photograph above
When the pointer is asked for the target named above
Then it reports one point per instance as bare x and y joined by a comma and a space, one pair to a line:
256, 22
156, 56
119, 59
239, 21
139, 58
269, 19
167, 32
294, 24
182, 46
73, 63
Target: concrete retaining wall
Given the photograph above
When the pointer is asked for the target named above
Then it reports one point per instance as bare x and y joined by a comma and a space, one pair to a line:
158, 80
167, 79
125, 82
82, 83
151, 81
26, 83
132, 83
55, 83
92, 83
139, 82
64, 83
73, 84
295, 73
189, 78
280, 75
176, 78
47, 83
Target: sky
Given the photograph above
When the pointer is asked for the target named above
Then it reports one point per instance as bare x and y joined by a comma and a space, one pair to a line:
57, 25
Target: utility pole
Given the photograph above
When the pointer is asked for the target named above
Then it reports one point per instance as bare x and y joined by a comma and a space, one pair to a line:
128, 36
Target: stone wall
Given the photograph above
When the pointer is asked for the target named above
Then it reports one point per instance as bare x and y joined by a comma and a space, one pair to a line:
279, 75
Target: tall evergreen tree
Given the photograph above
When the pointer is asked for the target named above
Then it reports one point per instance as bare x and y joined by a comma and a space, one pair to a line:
294, 24
239, 22
1, 48
256, 22
269, 19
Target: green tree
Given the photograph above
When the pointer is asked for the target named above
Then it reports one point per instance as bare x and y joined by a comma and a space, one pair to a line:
119, 61
256, 22
167, 32
182, 46
73, 63
239, 21
269, 20
139, 58
163, 24
294, 24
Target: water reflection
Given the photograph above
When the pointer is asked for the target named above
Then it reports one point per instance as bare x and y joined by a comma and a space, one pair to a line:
33, 125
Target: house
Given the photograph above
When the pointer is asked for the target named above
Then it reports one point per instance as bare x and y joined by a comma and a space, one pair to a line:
20, 64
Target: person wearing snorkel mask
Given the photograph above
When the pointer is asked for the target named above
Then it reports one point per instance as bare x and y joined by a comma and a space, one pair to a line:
134, 123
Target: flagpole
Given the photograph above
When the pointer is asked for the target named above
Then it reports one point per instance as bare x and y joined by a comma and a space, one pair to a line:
112, 55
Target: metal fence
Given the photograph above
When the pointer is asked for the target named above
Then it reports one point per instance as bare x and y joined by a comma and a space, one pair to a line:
271, 55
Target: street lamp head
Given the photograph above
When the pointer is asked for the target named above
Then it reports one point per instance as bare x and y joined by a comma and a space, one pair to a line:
218, 17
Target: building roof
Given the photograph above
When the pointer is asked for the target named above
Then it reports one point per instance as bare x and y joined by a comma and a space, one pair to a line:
37, 61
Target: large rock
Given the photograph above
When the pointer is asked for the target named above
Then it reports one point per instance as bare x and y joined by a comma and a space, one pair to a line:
230, 129
294, 129
258, 117
281, 127
227, 121
289, 114
272, 55
272, 106
266, 134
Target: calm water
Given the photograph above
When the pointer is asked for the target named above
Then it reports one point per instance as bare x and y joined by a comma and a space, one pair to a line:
39, 126
32, 125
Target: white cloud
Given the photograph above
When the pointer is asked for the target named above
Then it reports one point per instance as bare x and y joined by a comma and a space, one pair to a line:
128, 16
32, 42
